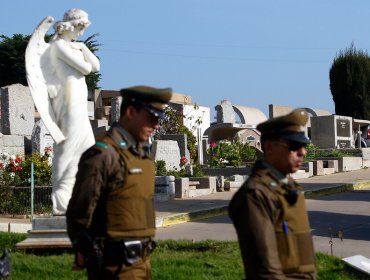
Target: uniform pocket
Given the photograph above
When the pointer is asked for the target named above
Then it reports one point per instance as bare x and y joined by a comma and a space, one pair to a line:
306, 252
288, 250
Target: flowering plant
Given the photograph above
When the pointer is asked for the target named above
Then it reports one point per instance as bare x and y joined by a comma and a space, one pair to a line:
10, 166
16, 170
183, 160
231, 153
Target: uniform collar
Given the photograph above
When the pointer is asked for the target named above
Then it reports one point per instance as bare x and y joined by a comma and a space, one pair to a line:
118, 133
122, 136
276, 174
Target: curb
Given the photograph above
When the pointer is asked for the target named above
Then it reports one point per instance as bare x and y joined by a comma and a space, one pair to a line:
206, 213
191, 216
337, 189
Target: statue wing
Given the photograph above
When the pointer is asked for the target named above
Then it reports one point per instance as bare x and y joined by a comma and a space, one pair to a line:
41, 77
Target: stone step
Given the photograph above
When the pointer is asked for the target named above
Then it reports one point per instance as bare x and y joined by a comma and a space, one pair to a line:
46, 233
199, 192
44, 243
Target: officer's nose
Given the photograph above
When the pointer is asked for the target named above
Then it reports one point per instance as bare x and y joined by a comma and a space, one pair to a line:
154, 122
302, 151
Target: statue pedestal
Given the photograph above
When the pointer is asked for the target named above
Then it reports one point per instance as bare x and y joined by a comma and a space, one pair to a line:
46, 233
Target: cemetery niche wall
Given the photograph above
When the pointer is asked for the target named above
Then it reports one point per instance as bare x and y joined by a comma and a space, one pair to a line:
330, 132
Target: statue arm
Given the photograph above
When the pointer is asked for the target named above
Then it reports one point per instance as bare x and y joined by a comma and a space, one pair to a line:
90, 57
85, 64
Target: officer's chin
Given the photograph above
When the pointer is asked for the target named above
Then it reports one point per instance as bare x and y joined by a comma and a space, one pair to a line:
296, 168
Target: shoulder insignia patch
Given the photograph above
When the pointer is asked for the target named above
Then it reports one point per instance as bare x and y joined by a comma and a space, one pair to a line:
122, 144
272, 184
101, 144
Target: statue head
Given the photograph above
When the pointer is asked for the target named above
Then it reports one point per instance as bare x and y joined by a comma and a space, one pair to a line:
71, 19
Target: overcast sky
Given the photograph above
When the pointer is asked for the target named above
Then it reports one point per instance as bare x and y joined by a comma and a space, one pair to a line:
252, 53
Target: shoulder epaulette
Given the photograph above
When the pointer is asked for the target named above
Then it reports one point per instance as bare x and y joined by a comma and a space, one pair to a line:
101, 144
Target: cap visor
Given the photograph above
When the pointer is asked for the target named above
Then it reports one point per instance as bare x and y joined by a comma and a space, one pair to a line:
297, 137
158, 113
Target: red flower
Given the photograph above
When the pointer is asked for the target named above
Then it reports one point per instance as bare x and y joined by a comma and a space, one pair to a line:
19, 168
18, 160
12, 163
13, 169
183, 160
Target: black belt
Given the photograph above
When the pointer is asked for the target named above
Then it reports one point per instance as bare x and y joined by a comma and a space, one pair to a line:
127, 251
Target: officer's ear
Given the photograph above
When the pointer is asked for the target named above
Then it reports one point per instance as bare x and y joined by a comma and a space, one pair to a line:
267, 146
130, 112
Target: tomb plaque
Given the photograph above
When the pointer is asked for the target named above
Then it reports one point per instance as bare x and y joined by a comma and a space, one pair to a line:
344, 144
343, 128
167, 150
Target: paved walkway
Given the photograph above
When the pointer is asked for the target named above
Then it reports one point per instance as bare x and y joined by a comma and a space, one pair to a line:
184, 210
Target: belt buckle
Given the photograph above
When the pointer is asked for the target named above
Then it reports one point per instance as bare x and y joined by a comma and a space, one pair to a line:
134, 251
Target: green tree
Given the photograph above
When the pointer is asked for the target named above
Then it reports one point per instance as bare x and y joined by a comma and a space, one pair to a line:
174, 124
12, 67
350, 83
93, 79
12, 49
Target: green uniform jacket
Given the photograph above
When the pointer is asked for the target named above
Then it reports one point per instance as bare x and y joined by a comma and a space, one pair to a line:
114, 188
265, 222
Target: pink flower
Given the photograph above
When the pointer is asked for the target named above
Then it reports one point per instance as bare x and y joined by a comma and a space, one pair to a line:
48, 149
213, 144
183, 160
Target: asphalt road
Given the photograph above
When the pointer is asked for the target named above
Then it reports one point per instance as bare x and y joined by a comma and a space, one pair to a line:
345, 215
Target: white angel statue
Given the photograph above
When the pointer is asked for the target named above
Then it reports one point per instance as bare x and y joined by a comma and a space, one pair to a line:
56, 78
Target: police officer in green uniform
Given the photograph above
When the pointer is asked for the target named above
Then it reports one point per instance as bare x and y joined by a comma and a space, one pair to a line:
269, 212
110, 216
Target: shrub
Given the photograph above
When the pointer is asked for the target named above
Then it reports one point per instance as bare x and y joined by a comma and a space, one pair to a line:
197, 170
233, 154
15, 181
178, 173
314, 151
160, 168
16, 171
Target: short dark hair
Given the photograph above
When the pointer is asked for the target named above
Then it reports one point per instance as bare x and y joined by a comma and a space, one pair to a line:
268, 137
126, 103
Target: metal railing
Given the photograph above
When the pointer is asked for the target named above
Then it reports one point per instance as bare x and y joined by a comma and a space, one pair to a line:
18, 200
28, 200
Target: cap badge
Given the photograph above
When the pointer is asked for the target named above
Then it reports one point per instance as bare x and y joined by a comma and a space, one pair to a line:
122, 144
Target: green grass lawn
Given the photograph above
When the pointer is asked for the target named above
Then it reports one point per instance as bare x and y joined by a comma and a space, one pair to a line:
171, 260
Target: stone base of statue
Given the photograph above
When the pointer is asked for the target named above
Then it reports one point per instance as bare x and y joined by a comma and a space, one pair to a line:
46, 233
